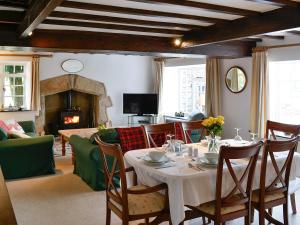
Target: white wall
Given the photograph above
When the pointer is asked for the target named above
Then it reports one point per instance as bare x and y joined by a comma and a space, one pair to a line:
120, 74
236, 107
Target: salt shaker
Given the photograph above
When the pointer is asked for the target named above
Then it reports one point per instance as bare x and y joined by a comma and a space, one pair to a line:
195, 152
190, 151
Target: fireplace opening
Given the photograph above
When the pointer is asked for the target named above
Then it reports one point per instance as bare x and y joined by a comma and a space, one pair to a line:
71, 119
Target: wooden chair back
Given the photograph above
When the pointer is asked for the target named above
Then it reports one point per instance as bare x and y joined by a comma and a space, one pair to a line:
111, 154
188, 127
238, 195
272, 127
280, 183
153, 131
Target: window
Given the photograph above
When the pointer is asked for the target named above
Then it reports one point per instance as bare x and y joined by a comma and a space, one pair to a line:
14, 80
284, 91
184, 89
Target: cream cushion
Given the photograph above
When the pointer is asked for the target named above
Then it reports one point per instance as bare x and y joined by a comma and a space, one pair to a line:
144, 203
268, 198
210, 208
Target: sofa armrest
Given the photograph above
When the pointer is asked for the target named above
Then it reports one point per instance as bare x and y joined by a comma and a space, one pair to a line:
85, 147
25, 144
28, 126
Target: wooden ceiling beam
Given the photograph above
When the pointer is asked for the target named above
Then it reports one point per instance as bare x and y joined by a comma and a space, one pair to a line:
110, 19
252, 39
18, 5
201, 5
276, 20
134, 11
277, 2
35, 14
96, 42
112, 26
275, 37
10, 16
294, 32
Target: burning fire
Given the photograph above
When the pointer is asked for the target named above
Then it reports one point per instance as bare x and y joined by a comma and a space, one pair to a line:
71, 119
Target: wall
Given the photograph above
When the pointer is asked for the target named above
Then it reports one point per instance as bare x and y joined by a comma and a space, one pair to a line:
236, 107
120, 74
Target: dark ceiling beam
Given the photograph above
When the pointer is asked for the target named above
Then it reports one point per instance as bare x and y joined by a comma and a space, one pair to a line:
252, 39
200, 5
35, 14
276, 20
110, 19
134, 11
93, 42
277, 2
294, 32
10, 16
112, 26
275, 37
18, 5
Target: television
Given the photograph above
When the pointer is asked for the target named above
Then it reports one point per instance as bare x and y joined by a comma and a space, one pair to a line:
140, 104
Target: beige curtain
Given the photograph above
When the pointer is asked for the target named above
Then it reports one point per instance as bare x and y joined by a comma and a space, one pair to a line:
213, 88
259, 91
35, 103
158, 85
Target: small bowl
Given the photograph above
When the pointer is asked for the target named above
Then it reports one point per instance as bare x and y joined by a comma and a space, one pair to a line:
212, 157
156, 155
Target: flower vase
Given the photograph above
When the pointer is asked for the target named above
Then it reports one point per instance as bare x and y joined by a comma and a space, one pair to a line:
212, 144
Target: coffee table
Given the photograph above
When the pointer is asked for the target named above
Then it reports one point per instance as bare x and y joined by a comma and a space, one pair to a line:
66, 134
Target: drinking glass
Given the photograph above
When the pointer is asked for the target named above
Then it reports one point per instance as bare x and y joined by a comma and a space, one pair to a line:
238, 137
170, 142
253, 137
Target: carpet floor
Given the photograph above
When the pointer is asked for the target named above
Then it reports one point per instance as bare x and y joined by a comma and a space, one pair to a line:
64, 199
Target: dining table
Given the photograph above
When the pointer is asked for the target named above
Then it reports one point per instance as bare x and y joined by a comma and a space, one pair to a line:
191, 183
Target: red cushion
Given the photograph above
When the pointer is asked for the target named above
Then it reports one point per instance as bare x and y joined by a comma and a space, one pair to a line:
131, 138
159, 139
178, 132
3, 126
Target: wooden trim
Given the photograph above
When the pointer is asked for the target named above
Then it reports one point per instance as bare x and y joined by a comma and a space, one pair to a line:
276, 20
277, 2
112, 26
110, 19
275, 37
134, 11
27, 55
201, 5
7, 215
37, 12
294, 32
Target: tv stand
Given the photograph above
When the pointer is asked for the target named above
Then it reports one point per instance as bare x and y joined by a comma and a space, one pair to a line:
137, 120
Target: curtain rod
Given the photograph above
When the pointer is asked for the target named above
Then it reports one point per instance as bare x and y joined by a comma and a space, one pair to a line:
27, 55
263, 48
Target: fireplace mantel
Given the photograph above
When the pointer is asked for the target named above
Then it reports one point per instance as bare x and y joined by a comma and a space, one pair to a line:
78, 83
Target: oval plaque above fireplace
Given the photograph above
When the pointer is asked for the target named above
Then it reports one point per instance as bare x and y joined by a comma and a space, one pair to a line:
72, 65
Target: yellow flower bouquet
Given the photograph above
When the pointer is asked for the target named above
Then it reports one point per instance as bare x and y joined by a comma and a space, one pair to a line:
214, 125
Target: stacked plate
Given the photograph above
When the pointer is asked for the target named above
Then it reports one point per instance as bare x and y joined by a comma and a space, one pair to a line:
204, 161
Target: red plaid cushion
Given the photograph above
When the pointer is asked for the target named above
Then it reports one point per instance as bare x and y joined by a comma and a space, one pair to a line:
159, 139
178, 132
131, 138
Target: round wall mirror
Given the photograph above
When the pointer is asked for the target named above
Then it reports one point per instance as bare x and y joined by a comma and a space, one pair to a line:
72, 65
236, 79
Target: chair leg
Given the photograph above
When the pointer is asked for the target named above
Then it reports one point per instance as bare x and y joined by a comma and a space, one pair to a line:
270, 211
108, 216
247, 220
261, 216
147, 221
293, 203
285, 214
252, 215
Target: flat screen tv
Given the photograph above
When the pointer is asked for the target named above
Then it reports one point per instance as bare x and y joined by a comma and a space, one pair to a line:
140, 104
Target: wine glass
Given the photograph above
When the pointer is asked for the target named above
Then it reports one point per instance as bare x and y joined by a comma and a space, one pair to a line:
253, 137
170, 142
238, 137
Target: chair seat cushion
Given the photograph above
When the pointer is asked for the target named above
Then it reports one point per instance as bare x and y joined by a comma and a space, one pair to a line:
131, 138
210, 208
145, 203
268, 198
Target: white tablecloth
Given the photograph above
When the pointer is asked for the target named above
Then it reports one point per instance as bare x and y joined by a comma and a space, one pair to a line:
188, 186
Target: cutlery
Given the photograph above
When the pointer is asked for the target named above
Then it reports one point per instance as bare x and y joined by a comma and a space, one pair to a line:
195, 167
164, 166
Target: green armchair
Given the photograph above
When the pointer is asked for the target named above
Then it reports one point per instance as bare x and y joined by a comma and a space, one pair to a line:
27, 157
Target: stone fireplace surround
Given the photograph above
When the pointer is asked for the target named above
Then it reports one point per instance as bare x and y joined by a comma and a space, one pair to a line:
74, 82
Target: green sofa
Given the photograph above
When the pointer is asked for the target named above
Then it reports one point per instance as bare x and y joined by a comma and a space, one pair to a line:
88, 163
27, 157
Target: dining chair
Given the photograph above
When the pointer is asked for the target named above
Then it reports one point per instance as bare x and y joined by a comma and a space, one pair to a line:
291, 131
134, 203
156, 134
237, 202
274, 192
188, 127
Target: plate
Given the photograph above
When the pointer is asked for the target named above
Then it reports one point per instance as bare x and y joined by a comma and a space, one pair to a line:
203, 161
148, 160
